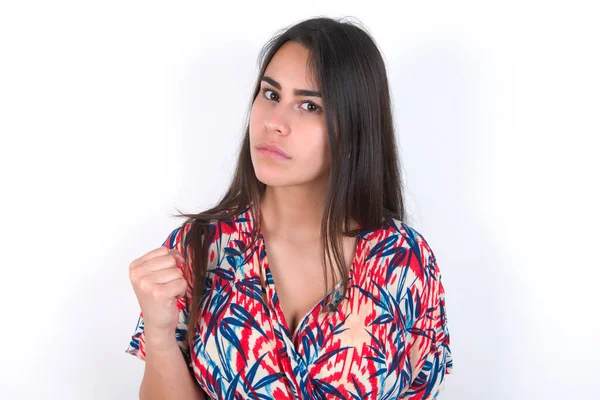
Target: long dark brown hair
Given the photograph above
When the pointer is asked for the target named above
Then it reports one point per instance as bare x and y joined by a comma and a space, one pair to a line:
365, 174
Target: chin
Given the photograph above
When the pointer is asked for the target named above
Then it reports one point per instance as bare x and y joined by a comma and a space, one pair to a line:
272, 178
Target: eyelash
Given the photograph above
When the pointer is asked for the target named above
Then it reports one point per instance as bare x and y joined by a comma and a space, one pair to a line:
267, 89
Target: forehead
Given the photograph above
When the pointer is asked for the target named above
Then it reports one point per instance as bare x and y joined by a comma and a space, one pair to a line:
289, 67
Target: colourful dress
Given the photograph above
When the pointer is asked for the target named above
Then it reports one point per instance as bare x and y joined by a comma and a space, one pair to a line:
388, 339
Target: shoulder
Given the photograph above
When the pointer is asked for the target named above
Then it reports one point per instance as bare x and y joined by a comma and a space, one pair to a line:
238, 223
397, 244
402, 263
176, 237
224, 235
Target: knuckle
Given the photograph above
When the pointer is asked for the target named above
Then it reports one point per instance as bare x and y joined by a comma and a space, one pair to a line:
158, 292
134, 275
145, 284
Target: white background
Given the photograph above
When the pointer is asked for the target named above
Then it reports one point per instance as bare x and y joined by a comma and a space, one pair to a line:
114, 113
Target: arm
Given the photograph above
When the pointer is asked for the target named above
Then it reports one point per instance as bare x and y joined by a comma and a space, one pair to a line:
166, 375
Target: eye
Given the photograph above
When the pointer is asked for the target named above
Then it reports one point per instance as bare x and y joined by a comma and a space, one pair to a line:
270, 94
265, 90
314, 107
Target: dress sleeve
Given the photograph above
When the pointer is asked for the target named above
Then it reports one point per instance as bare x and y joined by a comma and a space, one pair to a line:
137, 342
427, 339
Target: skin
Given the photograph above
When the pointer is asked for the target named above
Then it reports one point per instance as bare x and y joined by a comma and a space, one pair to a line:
292, 205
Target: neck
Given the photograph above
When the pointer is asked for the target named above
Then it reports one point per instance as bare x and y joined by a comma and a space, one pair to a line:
292, 212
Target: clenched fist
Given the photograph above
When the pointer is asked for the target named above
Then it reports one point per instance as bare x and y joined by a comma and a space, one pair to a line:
158, 283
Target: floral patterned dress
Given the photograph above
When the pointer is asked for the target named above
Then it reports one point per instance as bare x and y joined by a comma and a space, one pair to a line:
387, 339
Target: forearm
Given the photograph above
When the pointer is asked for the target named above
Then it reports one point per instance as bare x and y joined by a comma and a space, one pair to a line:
166, 375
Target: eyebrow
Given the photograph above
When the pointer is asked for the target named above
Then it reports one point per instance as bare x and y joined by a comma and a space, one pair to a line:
297, 92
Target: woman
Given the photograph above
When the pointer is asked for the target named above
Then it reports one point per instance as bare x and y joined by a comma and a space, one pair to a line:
303, 282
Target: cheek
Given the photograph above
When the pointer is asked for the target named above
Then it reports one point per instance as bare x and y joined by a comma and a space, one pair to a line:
319, 146
315, 149
319, 139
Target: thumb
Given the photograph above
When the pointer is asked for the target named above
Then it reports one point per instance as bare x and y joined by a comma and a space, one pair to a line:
178, 256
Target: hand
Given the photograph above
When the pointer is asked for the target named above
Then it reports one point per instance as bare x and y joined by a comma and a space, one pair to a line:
158, 283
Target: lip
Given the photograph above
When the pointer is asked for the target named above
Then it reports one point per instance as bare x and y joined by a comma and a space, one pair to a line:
272, 150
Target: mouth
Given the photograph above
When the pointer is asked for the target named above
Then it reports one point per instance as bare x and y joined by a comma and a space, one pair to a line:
272, 154
272, 151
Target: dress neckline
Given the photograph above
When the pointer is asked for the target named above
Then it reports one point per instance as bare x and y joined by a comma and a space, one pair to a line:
331, 295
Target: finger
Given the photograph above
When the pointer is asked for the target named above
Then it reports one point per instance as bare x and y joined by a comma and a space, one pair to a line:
166, 275
160, 251
154, 265
162, 262
175, 289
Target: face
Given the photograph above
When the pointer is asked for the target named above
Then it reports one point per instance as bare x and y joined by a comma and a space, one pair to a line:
287, 114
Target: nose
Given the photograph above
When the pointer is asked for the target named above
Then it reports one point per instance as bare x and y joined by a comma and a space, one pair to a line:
276, 121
